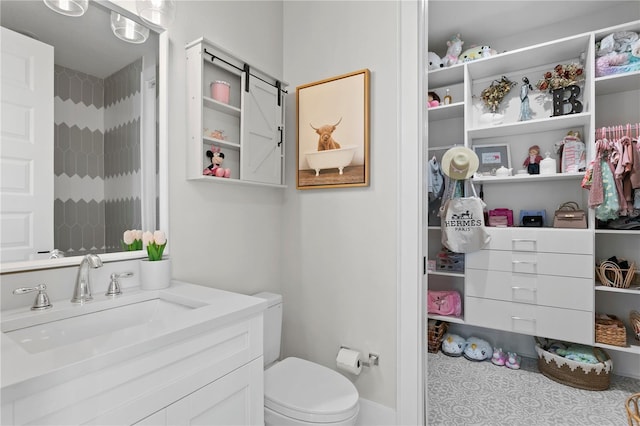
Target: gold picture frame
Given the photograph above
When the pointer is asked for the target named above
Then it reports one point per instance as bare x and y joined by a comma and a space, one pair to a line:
333, 132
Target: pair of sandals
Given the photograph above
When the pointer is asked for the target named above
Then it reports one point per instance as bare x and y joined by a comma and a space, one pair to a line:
510, 359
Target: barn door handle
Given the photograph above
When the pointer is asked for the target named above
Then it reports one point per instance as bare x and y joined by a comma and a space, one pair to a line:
280, 130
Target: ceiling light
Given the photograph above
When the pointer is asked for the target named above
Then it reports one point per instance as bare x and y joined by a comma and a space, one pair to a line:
68, 7
157, 12
128, 30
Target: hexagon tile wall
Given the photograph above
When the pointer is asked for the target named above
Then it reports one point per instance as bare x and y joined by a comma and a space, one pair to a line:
96, 159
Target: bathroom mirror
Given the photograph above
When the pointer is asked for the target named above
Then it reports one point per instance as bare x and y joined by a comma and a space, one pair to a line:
109, 134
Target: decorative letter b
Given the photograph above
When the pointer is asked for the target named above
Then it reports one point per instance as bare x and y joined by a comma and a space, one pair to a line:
559, 100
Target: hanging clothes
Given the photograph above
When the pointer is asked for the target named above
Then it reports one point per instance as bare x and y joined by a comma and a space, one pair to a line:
608, 209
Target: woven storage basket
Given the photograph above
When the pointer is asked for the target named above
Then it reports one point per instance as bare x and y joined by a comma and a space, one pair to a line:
610, 330
634, 319
575, 374
611, 275
436, 332
633, 409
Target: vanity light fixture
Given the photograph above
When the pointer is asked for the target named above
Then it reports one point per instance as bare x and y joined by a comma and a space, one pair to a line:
160, 13
128, 30
68, 7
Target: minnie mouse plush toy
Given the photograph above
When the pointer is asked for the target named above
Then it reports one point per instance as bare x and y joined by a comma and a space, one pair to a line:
216, 158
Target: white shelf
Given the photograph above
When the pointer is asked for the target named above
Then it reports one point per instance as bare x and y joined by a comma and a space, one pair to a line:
617, 83
443, 112
446, 318
446, 274
527, 178
532, 126
558, 51
618, 231
446, 76
631, 290
208, 140
219, 106
633, 345
232, 181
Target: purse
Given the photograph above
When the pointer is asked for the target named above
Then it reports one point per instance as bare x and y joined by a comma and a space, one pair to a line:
569, 215
501, 217
462, 224
447, 302
532, 218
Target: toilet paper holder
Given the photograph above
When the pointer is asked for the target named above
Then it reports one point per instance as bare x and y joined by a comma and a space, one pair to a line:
369, 361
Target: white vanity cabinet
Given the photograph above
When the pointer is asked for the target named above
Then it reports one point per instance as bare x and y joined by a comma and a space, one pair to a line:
247, 126
202, 365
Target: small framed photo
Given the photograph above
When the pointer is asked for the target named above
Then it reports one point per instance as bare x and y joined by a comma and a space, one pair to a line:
492, 157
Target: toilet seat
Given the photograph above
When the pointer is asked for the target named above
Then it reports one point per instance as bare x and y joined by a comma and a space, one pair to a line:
309, 392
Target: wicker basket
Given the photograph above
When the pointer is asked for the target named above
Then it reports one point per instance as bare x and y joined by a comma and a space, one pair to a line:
575, 374
634, 319
611, 275
436, 332
633, 409
610, 330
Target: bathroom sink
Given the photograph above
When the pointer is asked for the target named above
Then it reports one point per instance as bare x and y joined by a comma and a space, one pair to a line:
81, 325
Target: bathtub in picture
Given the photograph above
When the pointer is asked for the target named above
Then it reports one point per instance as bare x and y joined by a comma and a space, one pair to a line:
331, 159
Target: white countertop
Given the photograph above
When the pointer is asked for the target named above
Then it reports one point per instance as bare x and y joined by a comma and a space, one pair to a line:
23, 372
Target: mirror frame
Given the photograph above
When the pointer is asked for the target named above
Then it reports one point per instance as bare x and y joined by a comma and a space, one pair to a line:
163, 163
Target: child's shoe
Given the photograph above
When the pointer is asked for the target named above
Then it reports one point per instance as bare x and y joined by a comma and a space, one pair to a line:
499, 357
513, 361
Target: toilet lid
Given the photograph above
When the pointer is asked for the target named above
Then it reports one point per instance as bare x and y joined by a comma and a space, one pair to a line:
309, 392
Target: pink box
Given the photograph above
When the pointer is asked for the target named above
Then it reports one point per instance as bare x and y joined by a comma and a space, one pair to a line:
220, 91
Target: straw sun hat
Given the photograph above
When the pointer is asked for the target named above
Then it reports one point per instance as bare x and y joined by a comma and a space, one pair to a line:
459, 163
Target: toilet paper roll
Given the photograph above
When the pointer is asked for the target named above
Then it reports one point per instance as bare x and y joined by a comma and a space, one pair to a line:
349, 360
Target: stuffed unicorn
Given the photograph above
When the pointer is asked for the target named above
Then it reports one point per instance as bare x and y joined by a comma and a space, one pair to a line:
454, 48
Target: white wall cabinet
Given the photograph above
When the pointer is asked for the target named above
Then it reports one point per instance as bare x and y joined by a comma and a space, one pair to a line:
522, 267
248, 129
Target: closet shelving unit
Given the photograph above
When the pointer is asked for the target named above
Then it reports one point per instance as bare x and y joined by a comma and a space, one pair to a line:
612, 90
460, 124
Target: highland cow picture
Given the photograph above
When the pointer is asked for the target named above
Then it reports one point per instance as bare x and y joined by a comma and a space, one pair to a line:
333, 132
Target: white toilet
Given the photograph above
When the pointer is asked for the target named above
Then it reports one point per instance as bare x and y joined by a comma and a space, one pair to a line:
299, 392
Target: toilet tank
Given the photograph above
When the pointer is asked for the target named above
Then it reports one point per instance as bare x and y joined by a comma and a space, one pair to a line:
272, 326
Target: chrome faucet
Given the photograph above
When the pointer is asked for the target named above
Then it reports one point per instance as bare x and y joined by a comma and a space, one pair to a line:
82, 291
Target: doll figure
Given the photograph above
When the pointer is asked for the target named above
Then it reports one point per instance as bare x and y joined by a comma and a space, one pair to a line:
433, 99
525, 109
532, 163
215, 168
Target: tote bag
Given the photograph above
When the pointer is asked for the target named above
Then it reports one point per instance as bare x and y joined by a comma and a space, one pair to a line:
462, 224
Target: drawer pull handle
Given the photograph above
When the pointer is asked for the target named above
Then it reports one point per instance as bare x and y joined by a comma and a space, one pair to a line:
526, 262
523, 319
523, 240
524, 288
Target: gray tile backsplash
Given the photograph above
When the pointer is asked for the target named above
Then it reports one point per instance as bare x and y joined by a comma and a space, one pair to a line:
96, 224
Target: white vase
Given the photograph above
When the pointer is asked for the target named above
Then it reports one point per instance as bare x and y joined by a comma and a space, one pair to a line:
155, 275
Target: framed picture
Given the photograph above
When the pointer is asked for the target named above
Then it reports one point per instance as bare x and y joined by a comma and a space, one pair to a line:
492, 157
333, 132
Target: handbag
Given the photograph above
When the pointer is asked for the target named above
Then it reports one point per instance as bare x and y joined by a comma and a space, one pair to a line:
501, 217
447, 302
533, 218
462, 224
569, 215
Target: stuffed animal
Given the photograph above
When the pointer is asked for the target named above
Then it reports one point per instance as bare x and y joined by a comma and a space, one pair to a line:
434, 99
215, 169
477, 349
454, 48
435, 63
453, 345
476, 52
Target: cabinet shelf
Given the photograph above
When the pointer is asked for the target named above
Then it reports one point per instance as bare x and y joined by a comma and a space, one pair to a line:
208, 140
221, 107
532, 126
443, 112
618, 231
527, 178
633, 348
446, 318
447, 274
